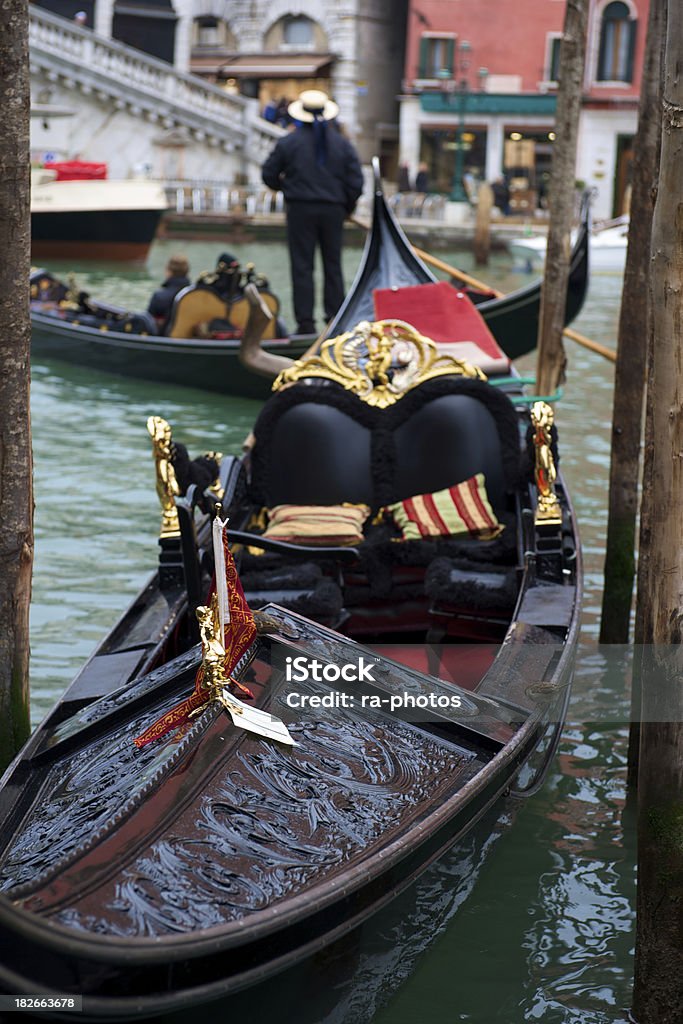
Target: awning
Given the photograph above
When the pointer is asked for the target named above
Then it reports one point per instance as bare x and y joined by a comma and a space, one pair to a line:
276, 65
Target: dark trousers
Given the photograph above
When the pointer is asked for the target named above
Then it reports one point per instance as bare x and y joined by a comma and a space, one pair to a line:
309, 225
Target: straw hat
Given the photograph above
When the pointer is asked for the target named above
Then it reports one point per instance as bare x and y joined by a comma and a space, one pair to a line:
310, 103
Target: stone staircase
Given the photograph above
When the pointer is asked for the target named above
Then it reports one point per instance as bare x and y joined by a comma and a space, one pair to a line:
125, 103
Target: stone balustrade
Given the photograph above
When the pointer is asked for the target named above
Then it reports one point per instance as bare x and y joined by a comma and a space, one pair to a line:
123, 77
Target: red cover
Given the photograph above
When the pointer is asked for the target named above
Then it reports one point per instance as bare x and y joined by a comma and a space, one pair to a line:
440, 311
77, 170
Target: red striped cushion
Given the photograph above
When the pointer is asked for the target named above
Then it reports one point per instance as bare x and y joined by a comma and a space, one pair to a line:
462, 508
317, 524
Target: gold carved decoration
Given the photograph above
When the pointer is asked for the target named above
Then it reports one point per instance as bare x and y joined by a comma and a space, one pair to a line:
213, 651
167, 484
379, 362
548, 512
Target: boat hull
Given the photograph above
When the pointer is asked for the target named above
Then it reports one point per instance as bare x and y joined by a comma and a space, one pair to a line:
121, 235
95, 219
209, 365
163, 969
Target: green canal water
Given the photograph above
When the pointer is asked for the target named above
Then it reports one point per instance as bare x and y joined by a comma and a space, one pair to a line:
544, 932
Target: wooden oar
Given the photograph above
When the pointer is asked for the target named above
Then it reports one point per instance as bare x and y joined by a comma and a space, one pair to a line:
460, 275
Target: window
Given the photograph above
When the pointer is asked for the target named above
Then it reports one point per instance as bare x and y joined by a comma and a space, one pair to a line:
554, 59
297, 31
208, 31
617, 43
436, 56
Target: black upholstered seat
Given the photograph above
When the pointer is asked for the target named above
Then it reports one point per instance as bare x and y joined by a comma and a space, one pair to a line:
318, 444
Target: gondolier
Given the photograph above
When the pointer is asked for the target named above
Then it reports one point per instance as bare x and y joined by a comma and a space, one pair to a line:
318, 171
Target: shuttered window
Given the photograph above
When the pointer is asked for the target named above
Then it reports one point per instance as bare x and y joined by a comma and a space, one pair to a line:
436, 56
617, 44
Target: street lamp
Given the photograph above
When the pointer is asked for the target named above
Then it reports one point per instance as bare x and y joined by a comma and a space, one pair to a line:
458, 83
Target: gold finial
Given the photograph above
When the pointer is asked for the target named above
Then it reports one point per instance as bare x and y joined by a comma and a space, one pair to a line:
213, 651
379, 362
167, 484
548, 512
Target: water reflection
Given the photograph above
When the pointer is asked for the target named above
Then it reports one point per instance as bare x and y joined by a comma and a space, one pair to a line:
546, 933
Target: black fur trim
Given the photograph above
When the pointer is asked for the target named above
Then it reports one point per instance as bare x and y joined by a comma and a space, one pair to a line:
295, 576
323, 603
200, 471
479, 588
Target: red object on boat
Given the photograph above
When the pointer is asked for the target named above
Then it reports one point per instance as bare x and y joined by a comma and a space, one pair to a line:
77, 170
442, 312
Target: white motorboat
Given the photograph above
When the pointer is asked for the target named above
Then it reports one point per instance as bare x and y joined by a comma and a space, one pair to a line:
607, 246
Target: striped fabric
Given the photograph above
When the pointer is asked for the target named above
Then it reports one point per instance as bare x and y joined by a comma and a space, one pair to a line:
462, 508
317, 524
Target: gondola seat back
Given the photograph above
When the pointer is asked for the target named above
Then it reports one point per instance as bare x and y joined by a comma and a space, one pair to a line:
316, 443
194, 306
197, 308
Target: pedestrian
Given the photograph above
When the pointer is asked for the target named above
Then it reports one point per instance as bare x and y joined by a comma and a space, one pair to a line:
422, 178
501, 195
81, 18
319, 173
269, 111
403, 183
161, 303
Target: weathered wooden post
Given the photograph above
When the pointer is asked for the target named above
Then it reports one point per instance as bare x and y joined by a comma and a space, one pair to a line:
551, 358
16, 470
658, 996
629, 379
482, 227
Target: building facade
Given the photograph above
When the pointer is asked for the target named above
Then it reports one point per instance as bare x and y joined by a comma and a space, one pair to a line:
271, 50
480, 87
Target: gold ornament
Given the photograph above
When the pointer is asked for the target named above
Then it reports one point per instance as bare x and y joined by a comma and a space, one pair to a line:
379, 362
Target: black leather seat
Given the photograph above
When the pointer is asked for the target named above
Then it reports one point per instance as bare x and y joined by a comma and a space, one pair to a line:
318, 444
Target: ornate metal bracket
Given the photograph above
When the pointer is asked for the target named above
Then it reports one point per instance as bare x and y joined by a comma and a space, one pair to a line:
548, 511
379, 362
167, 485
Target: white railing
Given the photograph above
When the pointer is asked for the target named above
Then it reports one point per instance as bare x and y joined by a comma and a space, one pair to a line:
407, 205
148, 86
215, 197
220, 197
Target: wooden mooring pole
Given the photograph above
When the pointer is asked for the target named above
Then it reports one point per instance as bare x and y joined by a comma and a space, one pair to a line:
16, 469
629, 378
658, 995
551, 360
482, 227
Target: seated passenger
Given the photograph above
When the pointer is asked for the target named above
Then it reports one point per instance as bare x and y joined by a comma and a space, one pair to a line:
161, 302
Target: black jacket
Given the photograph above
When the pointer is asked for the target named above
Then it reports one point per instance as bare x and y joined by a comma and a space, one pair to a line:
292, 169
162, 300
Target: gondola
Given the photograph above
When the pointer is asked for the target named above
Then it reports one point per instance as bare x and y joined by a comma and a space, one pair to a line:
133, 349
156, 860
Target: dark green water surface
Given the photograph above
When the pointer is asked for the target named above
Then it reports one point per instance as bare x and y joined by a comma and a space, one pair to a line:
546, 932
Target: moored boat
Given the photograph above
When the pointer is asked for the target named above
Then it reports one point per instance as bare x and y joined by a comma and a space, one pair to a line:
148, 880
154, 859
388, 261
607, 245
101, 219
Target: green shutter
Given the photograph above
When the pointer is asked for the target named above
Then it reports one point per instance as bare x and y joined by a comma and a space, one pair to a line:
632, 27
424, 57
555, 49
450, 49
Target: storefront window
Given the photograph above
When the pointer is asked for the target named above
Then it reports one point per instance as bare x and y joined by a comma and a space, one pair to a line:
526, 165
438, 148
